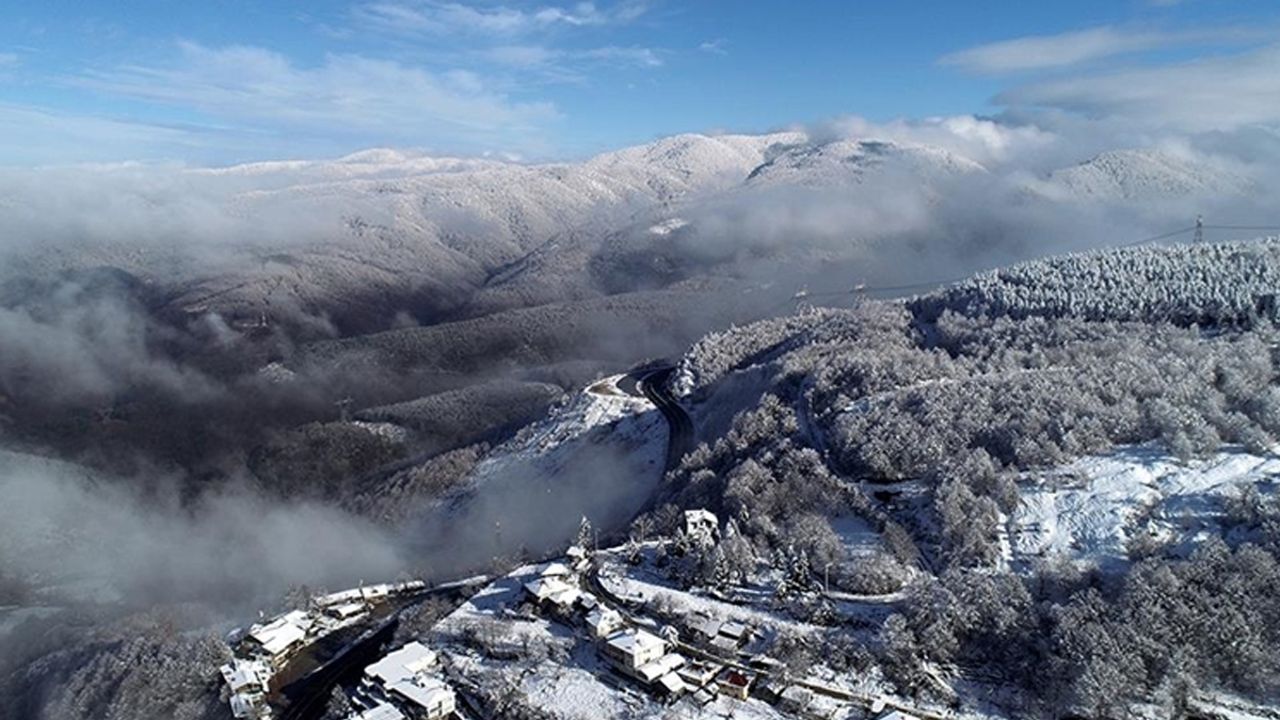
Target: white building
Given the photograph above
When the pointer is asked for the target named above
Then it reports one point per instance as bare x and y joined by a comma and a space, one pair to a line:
555, 585
425, 697
655, 670
278, 640
701, 524
345, 611
630, 649
369, 594
246, 675
603, 622
249, 682
408, 662
250, 707
405, 678
381, 711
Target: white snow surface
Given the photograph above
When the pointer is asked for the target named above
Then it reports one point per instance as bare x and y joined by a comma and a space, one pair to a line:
1142, 175
306, 234
668, 226
1089, 510
574, 685
385, 430
551, 442
599, 455
854, 162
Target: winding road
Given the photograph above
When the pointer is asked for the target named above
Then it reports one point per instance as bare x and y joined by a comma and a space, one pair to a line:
653, 383
307, 696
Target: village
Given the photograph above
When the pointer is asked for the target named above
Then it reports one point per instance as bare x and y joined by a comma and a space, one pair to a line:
271, 654
594, 633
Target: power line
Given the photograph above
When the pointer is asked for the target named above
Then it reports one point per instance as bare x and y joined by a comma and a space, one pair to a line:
912, 286
1164, 236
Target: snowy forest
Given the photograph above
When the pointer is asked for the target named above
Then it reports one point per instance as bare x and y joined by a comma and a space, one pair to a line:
949, 403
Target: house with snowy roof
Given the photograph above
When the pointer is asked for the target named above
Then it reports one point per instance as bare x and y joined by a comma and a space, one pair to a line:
725, 638
406, 679
249, 682
643, 656
409, 661
602, 622
424, 698
700, 673
701, 524
246, 675
630, 649
277, 641
555, 587
381, 711
735, 683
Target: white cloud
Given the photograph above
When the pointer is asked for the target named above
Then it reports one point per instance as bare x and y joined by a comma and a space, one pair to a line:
443, 18
560, 61
261, 90
643, 57
1214, 93
37, 136
1043, 52
715, 47
521, 56
986, 141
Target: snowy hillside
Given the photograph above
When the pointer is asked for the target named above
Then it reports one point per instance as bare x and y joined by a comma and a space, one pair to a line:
599, 455
354, 243
1143, 175
1097, 508
848, 162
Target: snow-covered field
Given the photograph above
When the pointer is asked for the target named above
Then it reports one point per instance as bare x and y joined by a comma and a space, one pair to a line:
1091, 509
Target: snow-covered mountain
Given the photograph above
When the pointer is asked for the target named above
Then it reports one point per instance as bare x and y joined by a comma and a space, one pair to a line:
361, 240
848, 162
430, 232
1143, 175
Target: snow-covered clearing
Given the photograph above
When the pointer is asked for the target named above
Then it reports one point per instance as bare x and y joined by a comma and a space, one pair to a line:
1091, 509
859, 538
388, 431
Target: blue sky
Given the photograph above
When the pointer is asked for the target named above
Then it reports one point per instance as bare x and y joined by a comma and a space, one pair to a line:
227, 81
